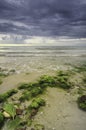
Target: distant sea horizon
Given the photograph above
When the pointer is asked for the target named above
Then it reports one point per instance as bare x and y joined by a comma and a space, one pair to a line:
42, 50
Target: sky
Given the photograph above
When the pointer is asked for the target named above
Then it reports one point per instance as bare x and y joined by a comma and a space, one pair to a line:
42, 22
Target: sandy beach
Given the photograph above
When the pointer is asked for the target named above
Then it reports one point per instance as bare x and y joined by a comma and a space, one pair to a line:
61, 111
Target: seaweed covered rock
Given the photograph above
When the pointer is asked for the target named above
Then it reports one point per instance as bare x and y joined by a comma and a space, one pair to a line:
23, 86
82, 102
0, 81
5, 96
63, 80
1, 118
46, 81
36, 103
34, 106
39, 127
10, 109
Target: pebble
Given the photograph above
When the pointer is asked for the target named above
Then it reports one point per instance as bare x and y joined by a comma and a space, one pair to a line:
41, 113
6, 115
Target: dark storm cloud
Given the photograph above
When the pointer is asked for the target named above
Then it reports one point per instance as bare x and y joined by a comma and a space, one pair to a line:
44, 17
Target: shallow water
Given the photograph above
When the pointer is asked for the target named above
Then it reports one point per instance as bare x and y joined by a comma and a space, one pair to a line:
30, 59
30, 51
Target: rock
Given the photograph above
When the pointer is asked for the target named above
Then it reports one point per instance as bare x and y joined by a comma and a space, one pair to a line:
33, 113
41, 113
32, 129
16, 106
39, 127
22, 128
13, 99
16, 102
19, 111
12, 71
6, 115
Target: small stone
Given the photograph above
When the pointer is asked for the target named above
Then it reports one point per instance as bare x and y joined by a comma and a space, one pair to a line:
22, 128
32, 129
17, 102
6, 115
16, 106
41, 113
19, 111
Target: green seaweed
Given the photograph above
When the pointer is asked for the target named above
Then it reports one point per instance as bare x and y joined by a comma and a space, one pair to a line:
13, 124
10, 109
1, 119
5, 96
25, 96
34, 107
36, 103
2, 74
23, 86
39, 127
46, 81
32, 91
12, 92
81, 68
1, 81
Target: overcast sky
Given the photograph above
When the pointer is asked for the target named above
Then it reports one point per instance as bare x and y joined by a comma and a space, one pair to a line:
42, 21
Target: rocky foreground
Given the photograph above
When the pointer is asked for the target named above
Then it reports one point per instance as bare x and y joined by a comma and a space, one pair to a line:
51, 102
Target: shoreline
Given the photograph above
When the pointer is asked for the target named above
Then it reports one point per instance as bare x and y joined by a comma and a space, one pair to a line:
61, 110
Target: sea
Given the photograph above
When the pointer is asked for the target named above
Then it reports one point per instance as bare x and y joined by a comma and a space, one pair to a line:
43, 51
38, 58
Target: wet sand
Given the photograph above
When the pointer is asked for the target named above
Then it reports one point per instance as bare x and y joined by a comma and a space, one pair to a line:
61, 112
12, 81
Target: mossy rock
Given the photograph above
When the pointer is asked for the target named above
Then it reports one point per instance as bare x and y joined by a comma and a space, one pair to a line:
10, 109
23, 86
36, 103
80, 91
2, 74
82, 102
63, 80
39, 127
46, 81
81, 68
34, 107
1, 118
36, 91
3, 97
31, 93
1, 81
40, 101
13, 124
25, 96
12, 92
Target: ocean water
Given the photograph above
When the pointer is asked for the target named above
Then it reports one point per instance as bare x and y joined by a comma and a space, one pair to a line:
30, 51
28, 58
